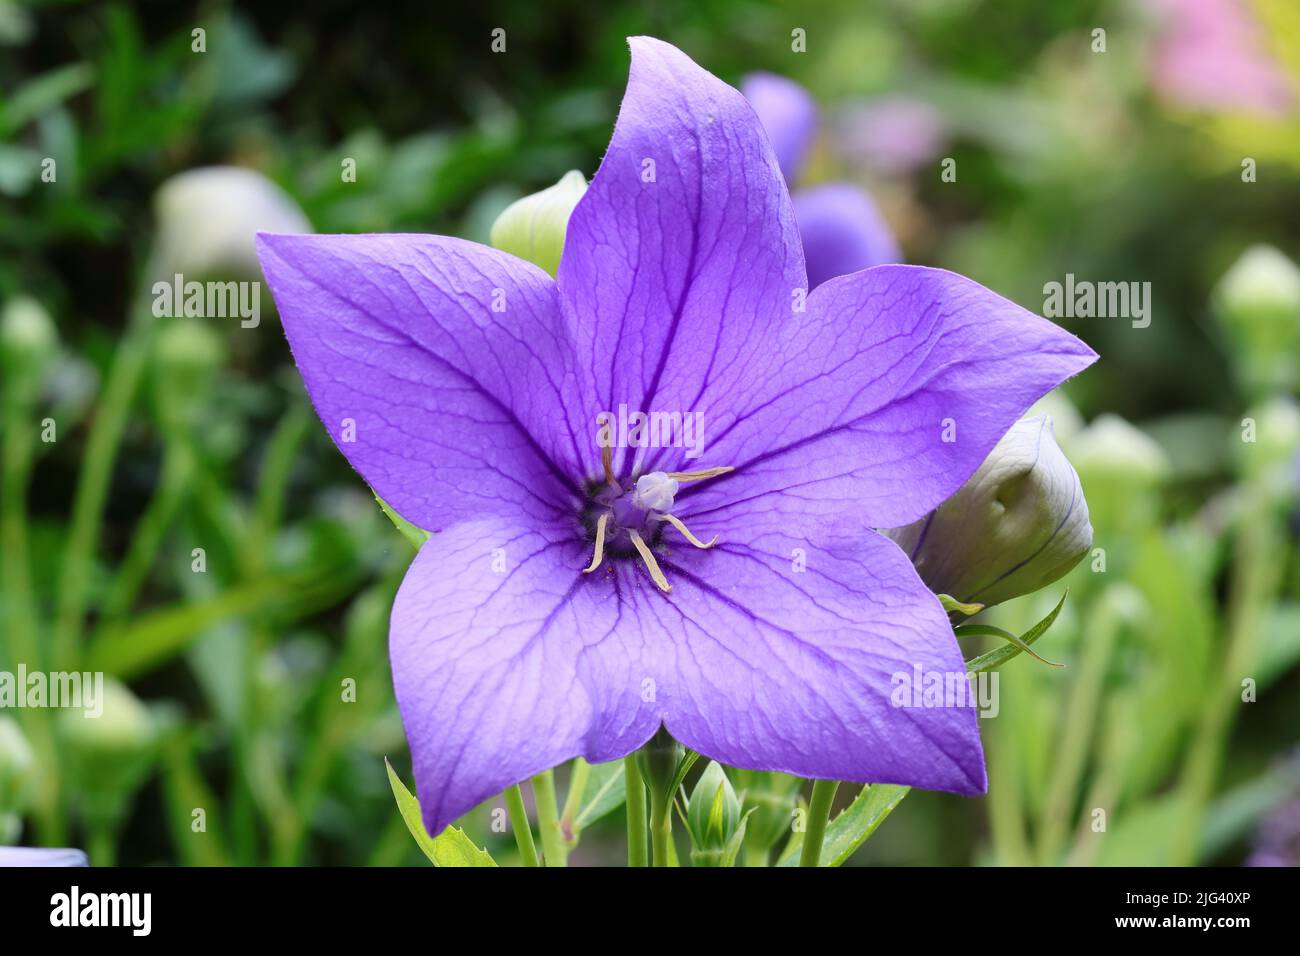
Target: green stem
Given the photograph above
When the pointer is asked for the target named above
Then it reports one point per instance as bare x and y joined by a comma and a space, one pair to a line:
102, 445
1260, 556
578, 777
637, 853
819, 814
661, 826
548, 819
1080, 725
519, 823
173, 487
20, 616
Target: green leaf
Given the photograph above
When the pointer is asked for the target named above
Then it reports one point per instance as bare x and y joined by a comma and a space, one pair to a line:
1000, 655
608, 788
451, 847
683, 768
951, 604
43, 93
850, 829
991, 630
416, 536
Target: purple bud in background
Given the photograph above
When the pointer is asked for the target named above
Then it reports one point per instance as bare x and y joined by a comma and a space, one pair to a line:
789, 115
842, 231
841, 228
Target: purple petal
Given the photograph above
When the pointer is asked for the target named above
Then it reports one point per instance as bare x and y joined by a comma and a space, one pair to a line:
507, 660
26, 856
777, 668
842, 232
676, 287
445, 362
789, 115
895, 387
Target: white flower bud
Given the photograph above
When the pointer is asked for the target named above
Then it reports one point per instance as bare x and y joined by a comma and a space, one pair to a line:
533, 228
28, 339
1017, 525
207, 219
1258, 304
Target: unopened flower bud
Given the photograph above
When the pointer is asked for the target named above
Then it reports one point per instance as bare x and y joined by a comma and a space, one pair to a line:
533, 228
1019, 523
1121, 467
712, 816
189, 352
111, 742
658, 761
207, 220
28, 340
1258, 304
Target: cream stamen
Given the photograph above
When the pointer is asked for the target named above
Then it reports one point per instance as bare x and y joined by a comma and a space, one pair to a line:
680, 526
651, 564
596, 558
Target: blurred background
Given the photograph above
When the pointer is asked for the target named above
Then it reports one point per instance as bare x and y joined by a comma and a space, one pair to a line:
174, 516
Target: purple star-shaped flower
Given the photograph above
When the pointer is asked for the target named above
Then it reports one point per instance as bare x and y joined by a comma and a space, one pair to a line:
570, 601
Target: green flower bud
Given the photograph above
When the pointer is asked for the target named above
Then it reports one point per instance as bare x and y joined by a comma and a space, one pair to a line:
1258, 304
17, 765
1017, 525
658, 761
207, 219
1121, 468
28, 341
712, 817
110, 753
189, 353
533, 228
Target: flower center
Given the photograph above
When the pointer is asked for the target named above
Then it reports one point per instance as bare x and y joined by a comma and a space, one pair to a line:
627, 521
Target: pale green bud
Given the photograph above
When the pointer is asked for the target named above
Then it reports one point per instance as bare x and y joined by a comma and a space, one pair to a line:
28, 340
111, 752
207, 219
1121, 467
712, 816
189, 353
658, 761
1019, 523
533, 228
1258, 304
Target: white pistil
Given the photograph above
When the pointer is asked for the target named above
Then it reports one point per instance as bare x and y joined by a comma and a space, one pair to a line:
677, 523
599, 555
656, 573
